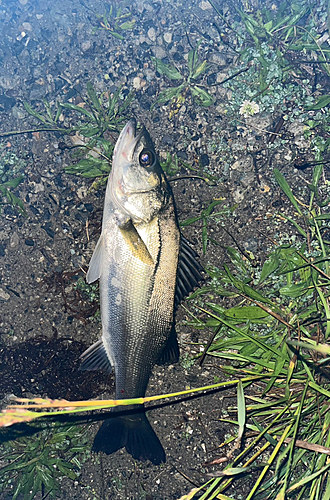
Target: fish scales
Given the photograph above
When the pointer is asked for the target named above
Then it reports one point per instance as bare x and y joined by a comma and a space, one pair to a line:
145, 268
138, 330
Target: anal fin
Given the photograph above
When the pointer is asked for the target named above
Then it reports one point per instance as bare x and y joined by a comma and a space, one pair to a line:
95, 358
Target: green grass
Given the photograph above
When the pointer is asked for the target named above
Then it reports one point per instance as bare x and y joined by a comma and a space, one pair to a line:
188, 82
37, 464
97, 116
279, 328
11, 175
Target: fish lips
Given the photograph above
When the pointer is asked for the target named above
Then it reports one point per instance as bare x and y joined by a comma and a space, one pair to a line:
127, 142
128, 176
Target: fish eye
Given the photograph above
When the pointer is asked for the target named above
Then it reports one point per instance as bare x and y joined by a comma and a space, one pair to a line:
146, 158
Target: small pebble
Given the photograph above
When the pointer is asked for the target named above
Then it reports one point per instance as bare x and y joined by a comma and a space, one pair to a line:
86, 45
152, 34
4, 295
27, 26
137, 83
205, 5
168, 37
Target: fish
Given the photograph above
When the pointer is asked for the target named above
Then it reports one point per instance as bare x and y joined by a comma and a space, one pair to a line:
145, 268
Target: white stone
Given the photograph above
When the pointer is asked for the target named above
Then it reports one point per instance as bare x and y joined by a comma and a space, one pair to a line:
4, 295
152, 34
27, 26
82, 192
238, 195
205, 5
86, 45
168, 37
217, 59
137, 83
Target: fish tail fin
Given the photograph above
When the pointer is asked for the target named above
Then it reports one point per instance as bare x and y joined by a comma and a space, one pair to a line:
133, 432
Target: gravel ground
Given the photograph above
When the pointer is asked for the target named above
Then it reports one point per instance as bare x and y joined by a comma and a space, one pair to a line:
48, 50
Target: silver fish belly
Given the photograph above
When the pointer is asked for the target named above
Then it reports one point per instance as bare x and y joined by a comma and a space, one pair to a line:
145, 268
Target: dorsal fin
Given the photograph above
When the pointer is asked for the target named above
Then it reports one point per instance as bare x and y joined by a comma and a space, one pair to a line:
189, 272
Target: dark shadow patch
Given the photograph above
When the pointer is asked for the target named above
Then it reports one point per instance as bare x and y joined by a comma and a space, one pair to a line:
49, 368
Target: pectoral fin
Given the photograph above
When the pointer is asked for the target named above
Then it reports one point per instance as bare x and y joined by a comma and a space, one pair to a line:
94, 269
136, 244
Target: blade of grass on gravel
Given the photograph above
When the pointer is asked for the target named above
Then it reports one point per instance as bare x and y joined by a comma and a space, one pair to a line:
17, 413
241, 410
264, 347
270, 461
307, 479
291, 445
286, 188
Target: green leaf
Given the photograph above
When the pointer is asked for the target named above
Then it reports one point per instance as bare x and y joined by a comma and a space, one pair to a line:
200, 70
295, 224
18, 488
48, 110
246, 289
128, 25
168, 94
89, 168
89, 131
78, 109
202, 97
12, 199
286, 189
204, 235
66, 469
191, 60
245, 313
236, 259
322, 102
34, 113
268, 26
295, 290
58, 112
116, 35
166, 69
93, 97
93, 172
189, 221
13, 182
308, 479
241, 410
322, 217
271, 264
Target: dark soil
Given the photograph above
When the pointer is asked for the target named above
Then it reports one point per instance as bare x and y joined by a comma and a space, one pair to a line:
45, 323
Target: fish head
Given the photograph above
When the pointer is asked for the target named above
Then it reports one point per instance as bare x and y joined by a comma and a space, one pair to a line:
137, 184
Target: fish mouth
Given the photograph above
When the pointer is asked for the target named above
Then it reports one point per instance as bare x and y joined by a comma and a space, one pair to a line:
135, 137
127, 142
125, 179
125, 150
